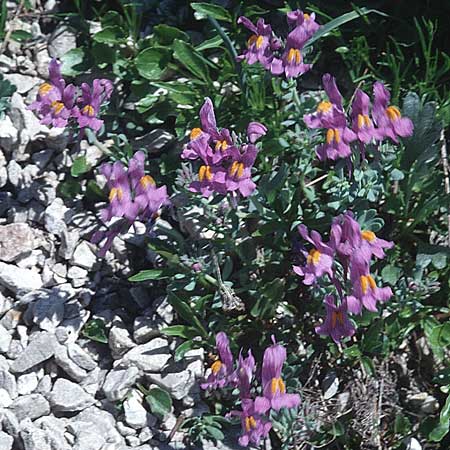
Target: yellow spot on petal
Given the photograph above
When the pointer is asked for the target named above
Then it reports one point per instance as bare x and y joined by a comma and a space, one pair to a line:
372, 283
313, 257
115, 192
306, 16
294, 56
277, 385
337, 317
221, 145
236, 169
89, 110
259, 42
324, 106
205, 173
44, 89
250, 423
216, 366
368, 235
147, 181
366, 281
195, 133
367, 121
251, 40
57, 106
393, 113
330, 136
337, 136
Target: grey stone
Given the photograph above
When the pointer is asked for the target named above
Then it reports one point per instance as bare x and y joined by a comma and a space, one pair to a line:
135, 413
8, 133
9, 422
8, 382
149, 357
5, 399
5, 339
144, 329
178, 384
55, 429
62, 40
119, 341
68, 396
70, 367
69, 329
6, 441
45, 385
27, 383
30, 406
38, 350
124, 430
91, 384
15, 349
42, 157
23, 83
19, 280
83, 256
15, 240
69, 240
119, 382
80, 357
33, 438
48, 306
145, 435
56, 217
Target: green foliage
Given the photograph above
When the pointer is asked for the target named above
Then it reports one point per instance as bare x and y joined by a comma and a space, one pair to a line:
6, 90
159, 401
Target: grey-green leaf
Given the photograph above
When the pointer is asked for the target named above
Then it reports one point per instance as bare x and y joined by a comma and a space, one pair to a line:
159, 401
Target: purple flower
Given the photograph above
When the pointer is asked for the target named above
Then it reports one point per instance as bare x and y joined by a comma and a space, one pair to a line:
319, 260
336, 324
240, 172
255, 130
133, 195
365, 292
244, 374
388, 118
254, 427
222, 368
329, 114
259, 44
291, 62
273, 385
55, 101
362, 124
90, 102
337, 144
374, 244
304, 20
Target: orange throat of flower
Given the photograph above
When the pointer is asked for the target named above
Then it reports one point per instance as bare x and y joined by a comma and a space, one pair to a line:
313, 257
368, 235
216, 366
294, 56
337, 317
89, 110
366, 282
250, 423
237, 169
205, 173
324, 106
147, 181
364, 120
57, 106
255, 39
195, 133
277, 385
221, 145
393, 113
333, 134
115, 193
44, 89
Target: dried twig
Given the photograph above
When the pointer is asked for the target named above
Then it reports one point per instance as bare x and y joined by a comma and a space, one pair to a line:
444, 159
10, 30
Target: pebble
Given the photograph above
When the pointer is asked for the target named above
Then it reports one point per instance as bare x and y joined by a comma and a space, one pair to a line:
8, 382
5, 339
68, 365
5, 399
83, 256
149, 357
80, 357
30, 406
16, 239
38, 350
19, 280
178, 384
34, 438
56, 217
119, 341
68, 396
27, 383
6, 441
135, 413
119, 382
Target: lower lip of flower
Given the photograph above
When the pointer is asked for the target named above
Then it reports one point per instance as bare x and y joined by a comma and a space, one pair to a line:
277, 385
146, 181
57, 106
89, 110
368, 235
333, 135
393, 113
337, 317
250, 423
237, 169
364, 120
216, 366
195, 133
115, 192
366, 281
294, 55
205, 173
313, 257
44, 89
221, 145
324, 106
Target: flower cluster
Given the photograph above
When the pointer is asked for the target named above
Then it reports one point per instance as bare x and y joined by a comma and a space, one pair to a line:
278, 57
226, 165
255, 409
133, 195
346, 259
57, 103
364, 125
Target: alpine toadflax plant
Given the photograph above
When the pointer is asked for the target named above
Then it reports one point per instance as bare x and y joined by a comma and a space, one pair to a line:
133, 195
367, 125
344, 263
278, 56
257, 397
225, 163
